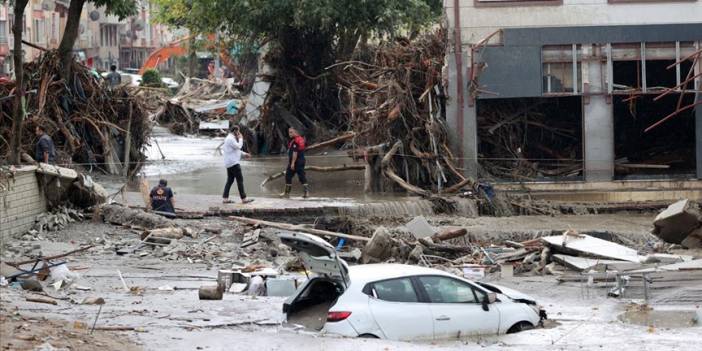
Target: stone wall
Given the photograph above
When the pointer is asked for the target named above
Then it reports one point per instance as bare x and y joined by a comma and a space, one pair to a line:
21, 202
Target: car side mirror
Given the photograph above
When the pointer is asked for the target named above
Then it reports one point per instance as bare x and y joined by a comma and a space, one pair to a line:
492, 297
488, 299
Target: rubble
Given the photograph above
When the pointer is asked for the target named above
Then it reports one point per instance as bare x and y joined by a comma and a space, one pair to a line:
680, 223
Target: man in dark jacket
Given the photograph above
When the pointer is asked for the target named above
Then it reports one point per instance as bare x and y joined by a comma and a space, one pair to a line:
45, 151
162, 199
113, 78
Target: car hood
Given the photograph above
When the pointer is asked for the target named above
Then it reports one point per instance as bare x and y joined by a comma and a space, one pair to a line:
511, 293
317, 255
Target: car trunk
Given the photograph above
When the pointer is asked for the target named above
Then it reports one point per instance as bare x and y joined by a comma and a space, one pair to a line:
310, 304
310, 307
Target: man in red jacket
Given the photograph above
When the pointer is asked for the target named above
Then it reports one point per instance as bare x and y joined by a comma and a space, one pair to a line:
296, 163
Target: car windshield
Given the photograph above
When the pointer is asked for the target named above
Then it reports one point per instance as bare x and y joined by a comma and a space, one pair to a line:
448, 290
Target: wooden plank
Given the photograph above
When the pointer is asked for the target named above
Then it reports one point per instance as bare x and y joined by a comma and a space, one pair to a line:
296, 228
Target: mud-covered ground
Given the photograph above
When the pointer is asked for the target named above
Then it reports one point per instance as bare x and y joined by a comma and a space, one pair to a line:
161, 301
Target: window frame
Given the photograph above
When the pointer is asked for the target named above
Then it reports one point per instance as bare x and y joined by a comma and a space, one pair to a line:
514, 3
369, 289
478, 293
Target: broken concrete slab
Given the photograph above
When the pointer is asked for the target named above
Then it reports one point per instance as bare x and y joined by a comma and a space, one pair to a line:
582, 263
584, 244
251, 238
664, 258
379, 247
675, 222
693, 240
420, 228
681, 266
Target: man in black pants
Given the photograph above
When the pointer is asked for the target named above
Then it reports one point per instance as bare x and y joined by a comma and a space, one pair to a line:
296, 163
233, 144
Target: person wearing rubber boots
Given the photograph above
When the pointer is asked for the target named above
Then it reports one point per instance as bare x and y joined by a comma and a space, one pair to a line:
296, 163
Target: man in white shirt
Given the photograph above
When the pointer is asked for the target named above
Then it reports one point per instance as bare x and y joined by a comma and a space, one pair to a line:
233, 144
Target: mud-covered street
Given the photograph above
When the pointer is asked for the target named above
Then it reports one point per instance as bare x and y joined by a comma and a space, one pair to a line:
161, 309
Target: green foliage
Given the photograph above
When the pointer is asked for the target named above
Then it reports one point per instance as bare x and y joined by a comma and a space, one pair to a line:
120, 8
151, 78
269, 19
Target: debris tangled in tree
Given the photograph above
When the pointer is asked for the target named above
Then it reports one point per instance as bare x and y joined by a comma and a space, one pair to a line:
89, 122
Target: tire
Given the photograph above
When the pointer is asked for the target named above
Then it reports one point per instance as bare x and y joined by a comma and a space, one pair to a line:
368, 336
521, 326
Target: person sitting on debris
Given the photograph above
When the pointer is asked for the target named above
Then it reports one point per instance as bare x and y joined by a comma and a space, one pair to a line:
232, 151
45, 151
162, 199
296, 163
113, 78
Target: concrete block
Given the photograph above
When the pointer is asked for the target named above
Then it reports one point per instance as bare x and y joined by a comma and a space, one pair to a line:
420, 228
675, 222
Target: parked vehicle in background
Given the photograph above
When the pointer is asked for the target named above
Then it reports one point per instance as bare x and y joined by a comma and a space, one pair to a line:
170, 82
130, 79
399, 302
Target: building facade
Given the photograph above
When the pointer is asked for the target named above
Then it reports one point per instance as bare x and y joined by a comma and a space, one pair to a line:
609, 69
103, 40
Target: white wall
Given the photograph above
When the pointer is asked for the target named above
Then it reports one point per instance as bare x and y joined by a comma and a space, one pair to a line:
478, 22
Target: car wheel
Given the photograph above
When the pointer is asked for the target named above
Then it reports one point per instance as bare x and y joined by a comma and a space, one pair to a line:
368, 336
521, 326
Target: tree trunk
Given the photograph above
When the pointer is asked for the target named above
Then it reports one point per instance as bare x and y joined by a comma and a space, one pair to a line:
70, 35
192, 58
18, 120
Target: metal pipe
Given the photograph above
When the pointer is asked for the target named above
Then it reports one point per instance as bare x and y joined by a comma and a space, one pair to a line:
458, 52
574, 50
644, 85
677, 67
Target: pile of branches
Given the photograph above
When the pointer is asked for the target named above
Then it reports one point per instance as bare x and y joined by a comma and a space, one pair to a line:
529, 139
395, 102
89, 123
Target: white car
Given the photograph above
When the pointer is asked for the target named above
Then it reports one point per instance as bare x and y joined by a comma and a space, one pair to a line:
399, 302
170, 82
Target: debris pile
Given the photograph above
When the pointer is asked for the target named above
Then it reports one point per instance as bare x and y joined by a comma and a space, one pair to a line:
395, 103
521, 140
200, 106
56, 220
90, 124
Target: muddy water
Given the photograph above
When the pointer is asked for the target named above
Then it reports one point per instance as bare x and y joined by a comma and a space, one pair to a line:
192, 165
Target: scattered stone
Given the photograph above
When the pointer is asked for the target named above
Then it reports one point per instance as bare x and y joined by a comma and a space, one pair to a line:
93, 301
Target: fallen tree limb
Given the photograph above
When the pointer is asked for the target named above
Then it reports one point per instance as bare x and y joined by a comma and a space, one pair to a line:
298, 228
385, 164
41, 300
456, 187
318, 169
449, 234
14, 264
331, 141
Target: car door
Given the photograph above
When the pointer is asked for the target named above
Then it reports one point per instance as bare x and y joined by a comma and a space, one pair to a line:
396, 308
457, 308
